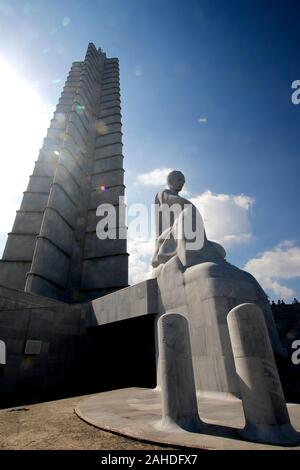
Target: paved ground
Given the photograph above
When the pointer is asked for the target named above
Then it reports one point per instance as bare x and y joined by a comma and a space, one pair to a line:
54, 426
136, 412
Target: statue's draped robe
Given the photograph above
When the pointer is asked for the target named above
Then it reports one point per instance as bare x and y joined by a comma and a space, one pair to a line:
180, 231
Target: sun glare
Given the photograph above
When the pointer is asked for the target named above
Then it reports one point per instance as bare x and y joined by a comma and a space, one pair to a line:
24, 118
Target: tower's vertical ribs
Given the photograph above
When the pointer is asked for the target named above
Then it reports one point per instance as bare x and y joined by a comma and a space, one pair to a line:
53, 249
105, 264
60, 235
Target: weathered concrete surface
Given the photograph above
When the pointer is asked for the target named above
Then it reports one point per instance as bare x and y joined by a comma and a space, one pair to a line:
136, 413
61, 365
13, 298
53, 250
76, 356
133, 301
178, 391
267, 418
205, 294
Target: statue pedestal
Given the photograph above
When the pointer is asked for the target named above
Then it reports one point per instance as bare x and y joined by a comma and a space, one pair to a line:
205, 293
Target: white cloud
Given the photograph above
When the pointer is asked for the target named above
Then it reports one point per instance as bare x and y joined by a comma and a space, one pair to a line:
226, 217
138, 71
157, 177
24, 119
202, 120
66, 21
141, 251
273, 266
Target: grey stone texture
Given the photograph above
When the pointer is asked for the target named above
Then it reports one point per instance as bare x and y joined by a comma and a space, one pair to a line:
178, 391
76, 355
135, 301
205, 293
266, 414
136, 413
53, 250
61, 364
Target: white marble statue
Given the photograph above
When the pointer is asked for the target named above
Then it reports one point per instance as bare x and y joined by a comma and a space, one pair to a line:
194, 279
180, 229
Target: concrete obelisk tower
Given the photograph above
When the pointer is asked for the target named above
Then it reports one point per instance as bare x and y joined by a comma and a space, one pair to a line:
53, 249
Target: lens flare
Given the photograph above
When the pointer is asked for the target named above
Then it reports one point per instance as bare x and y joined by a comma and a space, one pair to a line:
102, 188
101, 127
79, 108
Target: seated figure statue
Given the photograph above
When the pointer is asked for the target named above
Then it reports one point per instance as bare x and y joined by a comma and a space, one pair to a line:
195, 279
179, 228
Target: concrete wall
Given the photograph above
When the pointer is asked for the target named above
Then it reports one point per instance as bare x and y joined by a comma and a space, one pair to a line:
59, 368
73, 354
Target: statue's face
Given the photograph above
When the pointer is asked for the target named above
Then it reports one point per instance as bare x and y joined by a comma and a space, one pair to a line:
176, 181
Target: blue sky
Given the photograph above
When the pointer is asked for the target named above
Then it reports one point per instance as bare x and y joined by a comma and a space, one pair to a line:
206, 88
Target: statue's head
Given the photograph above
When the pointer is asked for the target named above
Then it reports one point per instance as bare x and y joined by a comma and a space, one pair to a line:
175, 180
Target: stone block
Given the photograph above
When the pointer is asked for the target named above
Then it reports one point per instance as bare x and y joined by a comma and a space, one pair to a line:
71, 146
100, 273
103, 128
110, 97
70, 163
109, 139
134, 301
58, 231
82, 112
19, 247
94, 247
112, 163
67, 183
60, 201
111, 119
13, 273
43, 168
110, 89
110, 105
108, 179
108, 151
72, 130
27, 222
39, 184
111, 111
57, 266
111, 75
34, 202
111, 196
43, 287
79, 123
